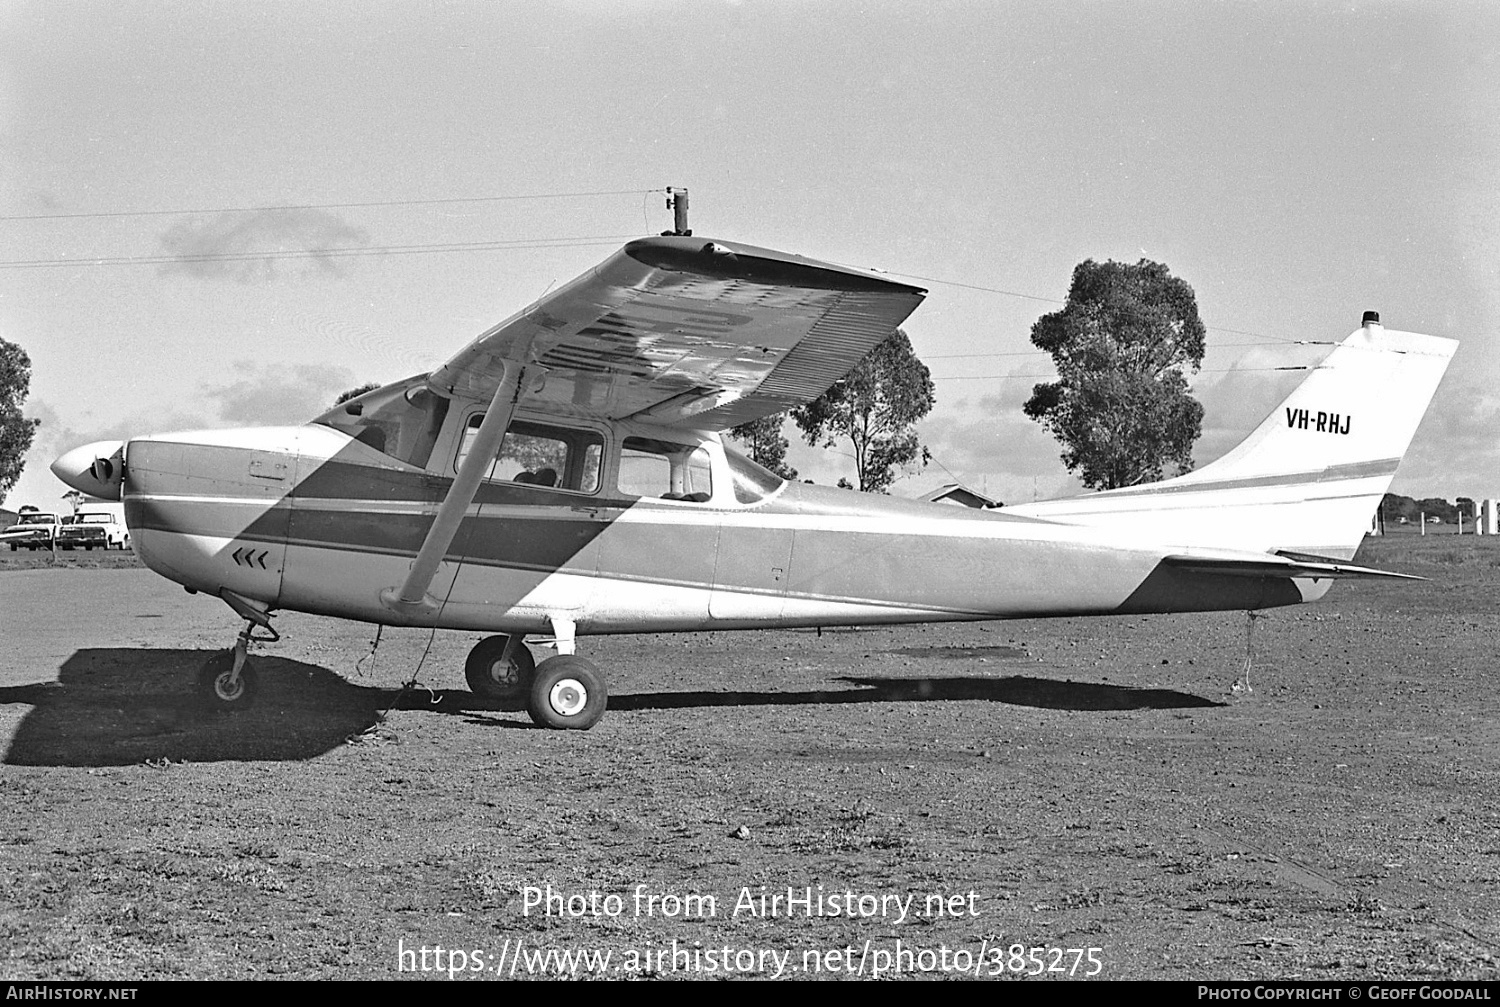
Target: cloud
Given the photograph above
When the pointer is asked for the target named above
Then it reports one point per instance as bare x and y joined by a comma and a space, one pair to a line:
279, 394
1456, 450
993, 447
54, 437
245, 247
259, 396
1238, 399
992, 438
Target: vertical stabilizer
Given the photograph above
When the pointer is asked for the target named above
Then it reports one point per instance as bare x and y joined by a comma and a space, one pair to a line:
1310, 477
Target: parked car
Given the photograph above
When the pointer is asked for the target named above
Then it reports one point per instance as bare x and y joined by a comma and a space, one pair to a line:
94, 528
34, 530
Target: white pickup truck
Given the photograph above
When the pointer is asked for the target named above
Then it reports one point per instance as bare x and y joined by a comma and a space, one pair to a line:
94, 527
34, 530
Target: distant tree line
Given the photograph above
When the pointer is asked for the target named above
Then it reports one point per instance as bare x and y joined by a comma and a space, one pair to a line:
1394, 507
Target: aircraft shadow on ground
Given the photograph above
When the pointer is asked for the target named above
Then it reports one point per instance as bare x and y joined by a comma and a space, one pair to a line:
1012, 690
121, 706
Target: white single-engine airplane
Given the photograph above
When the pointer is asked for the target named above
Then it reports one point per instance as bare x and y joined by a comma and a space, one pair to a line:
564, 475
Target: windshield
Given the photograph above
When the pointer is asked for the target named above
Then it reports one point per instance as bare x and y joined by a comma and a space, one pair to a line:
37, 519
402, 420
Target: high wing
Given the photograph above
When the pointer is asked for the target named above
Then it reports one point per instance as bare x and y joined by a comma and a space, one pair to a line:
687, 332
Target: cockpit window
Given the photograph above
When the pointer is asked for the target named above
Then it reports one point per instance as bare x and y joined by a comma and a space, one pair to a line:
402, 420
752, 482
671, 471
541, 455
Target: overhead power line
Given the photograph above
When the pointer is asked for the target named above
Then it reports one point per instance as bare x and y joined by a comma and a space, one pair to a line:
328, 206
453, 247
1054, 300
1042, 377
975, 286
480, 246
1043, 353
324, 253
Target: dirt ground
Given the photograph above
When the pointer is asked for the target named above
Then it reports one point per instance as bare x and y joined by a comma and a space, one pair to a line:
1093, 788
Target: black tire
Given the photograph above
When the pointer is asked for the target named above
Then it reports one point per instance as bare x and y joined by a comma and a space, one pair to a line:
213, 683
492, 674
567, 694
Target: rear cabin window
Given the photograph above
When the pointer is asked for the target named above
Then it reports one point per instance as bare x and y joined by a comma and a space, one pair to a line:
671, 471
535, 454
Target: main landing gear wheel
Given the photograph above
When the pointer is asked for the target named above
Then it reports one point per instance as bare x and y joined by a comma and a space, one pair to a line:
221, 689
567, 694
500, 667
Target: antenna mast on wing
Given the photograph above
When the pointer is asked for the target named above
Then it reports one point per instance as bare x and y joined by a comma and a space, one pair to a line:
677, 202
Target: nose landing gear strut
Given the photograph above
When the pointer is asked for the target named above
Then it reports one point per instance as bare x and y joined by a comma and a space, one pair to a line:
228, 681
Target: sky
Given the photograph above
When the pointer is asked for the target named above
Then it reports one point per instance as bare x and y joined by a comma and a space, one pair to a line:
1296, 163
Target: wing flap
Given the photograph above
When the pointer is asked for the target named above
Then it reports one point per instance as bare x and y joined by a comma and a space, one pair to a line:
688, 332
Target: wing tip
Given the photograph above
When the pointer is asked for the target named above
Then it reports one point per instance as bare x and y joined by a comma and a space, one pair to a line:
728, 260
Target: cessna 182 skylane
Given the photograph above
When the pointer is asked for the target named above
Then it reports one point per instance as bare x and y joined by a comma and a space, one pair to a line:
564, 475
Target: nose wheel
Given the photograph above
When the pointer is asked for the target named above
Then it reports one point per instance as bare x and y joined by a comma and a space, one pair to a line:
227, 682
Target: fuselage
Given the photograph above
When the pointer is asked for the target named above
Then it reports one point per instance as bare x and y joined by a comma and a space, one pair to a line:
311, 519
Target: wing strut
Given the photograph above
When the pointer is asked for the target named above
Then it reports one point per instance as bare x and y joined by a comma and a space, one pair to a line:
411, 598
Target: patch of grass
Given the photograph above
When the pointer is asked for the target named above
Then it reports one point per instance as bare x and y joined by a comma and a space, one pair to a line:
252, 875
1082, 898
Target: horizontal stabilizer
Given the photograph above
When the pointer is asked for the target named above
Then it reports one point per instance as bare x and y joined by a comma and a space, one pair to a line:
1295, 565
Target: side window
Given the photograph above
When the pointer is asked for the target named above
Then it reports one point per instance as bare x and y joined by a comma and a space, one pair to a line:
652, 468
540, 455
